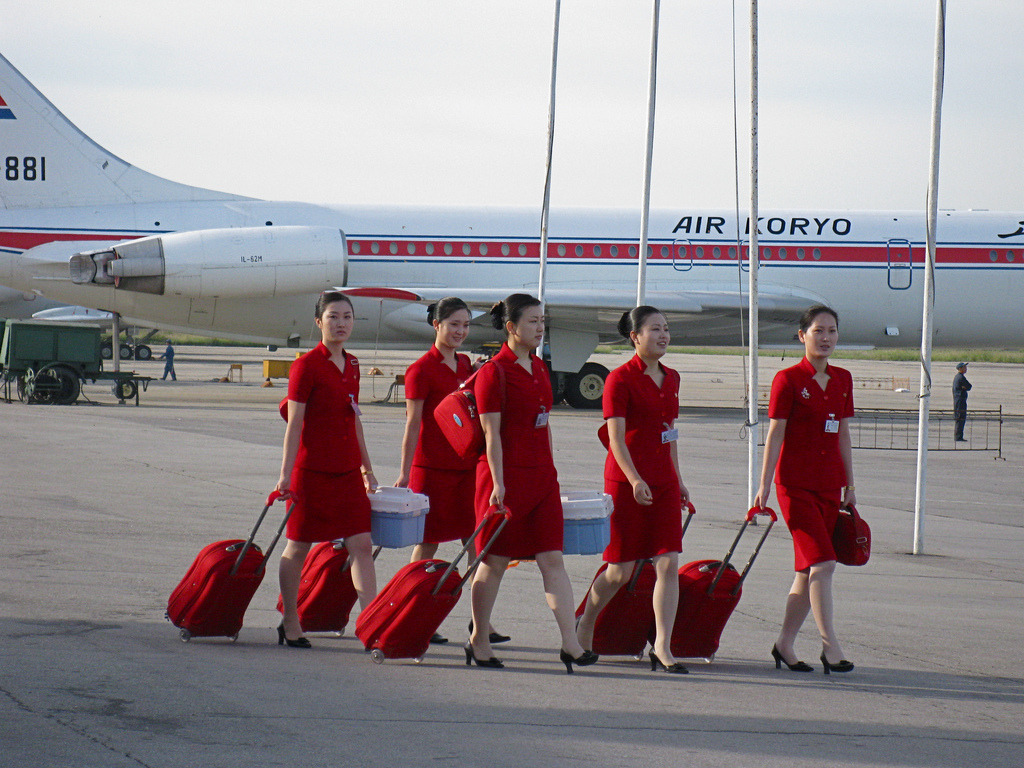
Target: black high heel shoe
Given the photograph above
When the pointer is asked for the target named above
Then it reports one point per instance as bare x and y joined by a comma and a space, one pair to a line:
798, 666
492, 662
585, 659
840, 666
674, 669
282, 639
494, 638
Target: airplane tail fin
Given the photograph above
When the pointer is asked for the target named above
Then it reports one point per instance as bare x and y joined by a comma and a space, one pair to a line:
46, 161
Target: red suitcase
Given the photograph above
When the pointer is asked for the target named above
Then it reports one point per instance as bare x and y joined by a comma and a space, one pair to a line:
627, 622
326, 592
708, 592
402, 618
212, 597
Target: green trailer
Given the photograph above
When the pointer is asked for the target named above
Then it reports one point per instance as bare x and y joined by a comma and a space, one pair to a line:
48, 363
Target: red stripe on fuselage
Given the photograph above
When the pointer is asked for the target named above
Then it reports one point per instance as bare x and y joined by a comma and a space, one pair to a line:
23, 241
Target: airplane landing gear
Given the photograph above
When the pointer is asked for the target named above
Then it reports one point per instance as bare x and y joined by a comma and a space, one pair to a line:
584, 388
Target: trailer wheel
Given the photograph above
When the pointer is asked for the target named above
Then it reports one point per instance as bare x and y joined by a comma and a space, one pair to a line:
143, 352
125, 390
22, 395
585, 388
60, 383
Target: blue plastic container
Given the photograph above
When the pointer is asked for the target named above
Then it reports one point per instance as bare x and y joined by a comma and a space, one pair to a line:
587, 536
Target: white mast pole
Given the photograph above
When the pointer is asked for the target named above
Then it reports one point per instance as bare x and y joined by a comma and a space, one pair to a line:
641, 267
545, 206
929, 280
753, 468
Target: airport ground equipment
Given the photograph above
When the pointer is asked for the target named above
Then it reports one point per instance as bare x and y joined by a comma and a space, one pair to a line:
49, 362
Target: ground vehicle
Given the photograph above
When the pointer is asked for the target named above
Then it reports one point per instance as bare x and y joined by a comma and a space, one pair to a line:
48, 363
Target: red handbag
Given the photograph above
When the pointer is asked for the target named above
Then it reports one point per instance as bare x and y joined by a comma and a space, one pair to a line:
458, 418
851, 538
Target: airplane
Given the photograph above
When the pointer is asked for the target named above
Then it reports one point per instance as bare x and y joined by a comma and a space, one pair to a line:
80, 226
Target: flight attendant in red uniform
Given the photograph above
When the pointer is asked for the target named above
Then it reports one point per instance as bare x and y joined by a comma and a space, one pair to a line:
809, 441
429, 465
641, 403
324, 451
517, 472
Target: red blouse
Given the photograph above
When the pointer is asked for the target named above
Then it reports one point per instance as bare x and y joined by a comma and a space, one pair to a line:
631, 394
527, 396
429, 379
810, 456
328, 441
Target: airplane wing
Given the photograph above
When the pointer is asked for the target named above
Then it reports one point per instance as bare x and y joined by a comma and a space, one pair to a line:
581, 318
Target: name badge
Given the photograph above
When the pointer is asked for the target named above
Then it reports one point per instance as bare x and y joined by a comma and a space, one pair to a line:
831, 424
670, 435
355, 405
542, 420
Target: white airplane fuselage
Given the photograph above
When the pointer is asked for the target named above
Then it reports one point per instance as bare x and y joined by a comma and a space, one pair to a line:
869, 266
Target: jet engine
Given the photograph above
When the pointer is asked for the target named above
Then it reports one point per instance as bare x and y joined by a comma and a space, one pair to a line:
221, 263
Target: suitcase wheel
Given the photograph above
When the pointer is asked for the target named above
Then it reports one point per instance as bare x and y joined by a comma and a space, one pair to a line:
234, 637
418, 659
709, 659
185, 635
340, 633
377, 656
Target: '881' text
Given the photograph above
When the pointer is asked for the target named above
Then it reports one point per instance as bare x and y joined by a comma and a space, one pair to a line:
24, 168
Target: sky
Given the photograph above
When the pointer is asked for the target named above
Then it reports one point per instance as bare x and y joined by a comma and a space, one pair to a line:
445, 102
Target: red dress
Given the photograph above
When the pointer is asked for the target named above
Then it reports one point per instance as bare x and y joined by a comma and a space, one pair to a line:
810, 475
532, 496
437, 471
649, 410
331, 501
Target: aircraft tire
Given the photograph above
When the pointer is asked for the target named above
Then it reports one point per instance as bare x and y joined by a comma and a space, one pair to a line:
143, 352
126, 352
106, 350
558, 380
584, 389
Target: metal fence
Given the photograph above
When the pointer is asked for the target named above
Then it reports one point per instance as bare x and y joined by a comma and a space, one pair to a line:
896, 430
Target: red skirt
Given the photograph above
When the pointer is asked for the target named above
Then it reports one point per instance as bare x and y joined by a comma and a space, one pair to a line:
328, 505
534, 504
811, 517
640, 532
451, 502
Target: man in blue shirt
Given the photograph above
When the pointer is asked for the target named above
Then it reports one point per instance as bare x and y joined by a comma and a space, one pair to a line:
961, 386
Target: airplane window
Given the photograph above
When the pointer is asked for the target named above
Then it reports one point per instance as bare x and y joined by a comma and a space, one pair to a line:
504, 249
766, 253
597, 250
799, 253
411, 248
1009, 255
430, 248
782, 253
465, 249
483, 249
579, 250
393, 248
375, 247
632, 250
522, 249
664, 251
817, 254
716, 252
650, 251
561, 250
613, 251
448, 249
700, 251
354, 247
992, 255
681, 251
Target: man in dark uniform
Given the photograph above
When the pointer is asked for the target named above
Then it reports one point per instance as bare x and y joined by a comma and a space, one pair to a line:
961, 386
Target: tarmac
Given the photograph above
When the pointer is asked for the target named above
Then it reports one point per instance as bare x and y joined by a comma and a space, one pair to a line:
104, 506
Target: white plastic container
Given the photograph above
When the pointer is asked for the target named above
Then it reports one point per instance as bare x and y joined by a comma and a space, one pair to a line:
397, 517
587, 528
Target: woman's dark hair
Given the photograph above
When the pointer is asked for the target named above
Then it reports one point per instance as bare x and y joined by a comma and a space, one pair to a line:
511, 309
329, 297
634, 320
808, 317
445, 308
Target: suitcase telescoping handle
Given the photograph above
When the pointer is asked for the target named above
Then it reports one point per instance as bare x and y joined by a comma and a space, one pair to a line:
751, 513
493, 522
274, 496
638, 568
